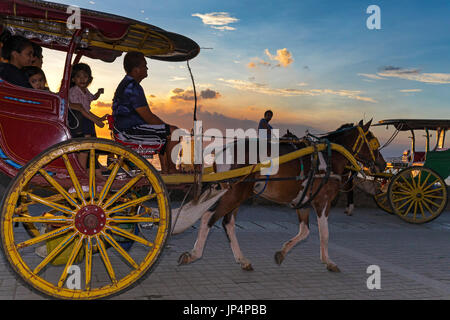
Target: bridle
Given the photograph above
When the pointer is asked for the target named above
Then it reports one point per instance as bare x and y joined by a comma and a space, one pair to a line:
372, 144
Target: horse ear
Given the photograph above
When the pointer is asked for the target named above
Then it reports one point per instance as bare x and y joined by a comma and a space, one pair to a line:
288, 132
368, 124
361, 123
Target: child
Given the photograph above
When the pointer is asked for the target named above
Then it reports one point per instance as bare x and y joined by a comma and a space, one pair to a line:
18, 51
36, 77
80, 100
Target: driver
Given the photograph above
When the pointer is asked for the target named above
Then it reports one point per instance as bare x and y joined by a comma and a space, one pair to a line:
132, 115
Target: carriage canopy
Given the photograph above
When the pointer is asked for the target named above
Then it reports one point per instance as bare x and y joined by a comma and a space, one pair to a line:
105, 36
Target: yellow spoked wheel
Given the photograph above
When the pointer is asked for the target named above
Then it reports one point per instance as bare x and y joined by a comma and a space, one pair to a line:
382, 201
124, 215
417, 194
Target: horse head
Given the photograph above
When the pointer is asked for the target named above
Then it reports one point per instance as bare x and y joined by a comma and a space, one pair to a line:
289, 135
366, 148
361, 143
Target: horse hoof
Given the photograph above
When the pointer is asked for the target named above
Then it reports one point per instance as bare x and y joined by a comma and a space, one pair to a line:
247, 267
279, 257
333, 268
185, 258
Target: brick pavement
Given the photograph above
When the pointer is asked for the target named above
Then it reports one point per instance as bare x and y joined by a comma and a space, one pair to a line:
414, 261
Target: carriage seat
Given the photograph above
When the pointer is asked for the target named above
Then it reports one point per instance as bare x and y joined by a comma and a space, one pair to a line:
145, 150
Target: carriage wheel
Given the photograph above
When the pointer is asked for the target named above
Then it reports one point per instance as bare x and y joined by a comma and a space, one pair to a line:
382, 201
79, 213
381, 195
417, 194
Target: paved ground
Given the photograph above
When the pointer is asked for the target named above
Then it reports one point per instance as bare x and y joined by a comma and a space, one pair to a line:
414, 261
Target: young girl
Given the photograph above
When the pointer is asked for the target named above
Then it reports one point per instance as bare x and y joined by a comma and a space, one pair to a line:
80, 96
36, 77
80, 100
18, 51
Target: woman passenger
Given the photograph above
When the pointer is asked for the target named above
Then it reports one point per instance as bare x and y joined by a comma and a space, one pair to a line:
18, 51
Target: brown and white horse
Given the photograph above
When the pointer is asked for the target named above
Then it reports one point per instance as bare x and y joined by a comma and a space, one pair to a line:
357, 139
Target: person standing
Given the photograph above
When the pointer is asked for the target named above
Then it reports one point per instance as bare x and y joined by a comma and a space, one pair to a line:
264, 123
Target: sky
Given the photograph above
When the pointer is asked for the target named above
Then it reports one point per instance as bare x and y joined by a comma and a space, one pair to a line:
315, 64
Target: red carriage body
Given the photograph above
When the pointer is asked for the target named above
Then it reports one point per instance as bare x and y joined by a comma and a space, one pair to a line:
32, 120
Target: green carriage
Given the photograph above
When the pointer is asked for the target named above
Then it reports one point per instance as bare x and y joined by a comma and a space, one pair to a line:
414, 187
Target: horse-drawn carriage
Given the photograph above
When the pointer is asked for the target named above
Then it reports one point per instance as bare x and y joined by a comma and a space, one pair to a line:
414, 186
70, 234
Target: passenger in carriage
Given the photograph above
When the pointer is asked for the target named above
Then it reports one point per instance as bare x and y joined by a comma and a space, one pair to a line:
38, 58
18, 51
36, 77
132, 114
82, 120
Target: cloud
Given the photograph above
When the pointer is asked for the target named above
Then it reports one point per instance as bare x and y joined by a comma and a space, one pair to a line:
287, 92
102, 104
209, 94
283, 56
258, 62
217, 20
410, 90
371, 76
188, 95
408, 74
177, 78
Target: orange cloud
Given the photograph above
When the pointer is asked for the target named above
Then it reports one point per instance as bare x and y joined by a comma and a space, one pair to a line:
188, 95
283, 56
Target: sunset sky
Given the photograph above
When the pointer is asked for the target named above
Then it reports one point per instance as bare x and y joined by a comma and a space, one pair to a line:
314, 63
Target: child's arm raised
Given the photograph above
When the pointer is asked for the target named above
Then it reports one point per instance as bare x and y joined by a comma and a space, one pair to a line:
99, 93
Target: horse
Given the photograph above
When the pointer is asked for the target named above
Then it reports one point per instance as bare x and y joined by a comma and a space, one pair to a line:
357, 139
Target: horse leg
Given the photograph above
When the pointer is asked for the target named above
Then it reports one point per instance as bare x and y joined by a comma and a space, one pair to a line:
303, 217
229, 225
322, 222
350, 203
197, 252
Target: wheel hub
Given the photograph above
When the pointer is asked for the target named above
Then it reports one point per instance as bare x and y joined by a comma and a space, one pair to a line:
90, 220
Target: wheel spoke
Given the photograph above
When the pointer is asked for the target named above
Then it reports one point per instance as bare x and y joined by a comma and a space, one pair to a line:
401, 186
409, 207
119, 249
134, 219
401, 199
431, 202
48, 203
407, 182
73, 177
426, 180
59, 188
130, 236
88, 253
426, 206
434, 197
70, 261
92, 175
131, 203
110, 181
43, 219
405, 203
421, 209
63, 244
44, 237
434, 190
122, 191
106, 261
